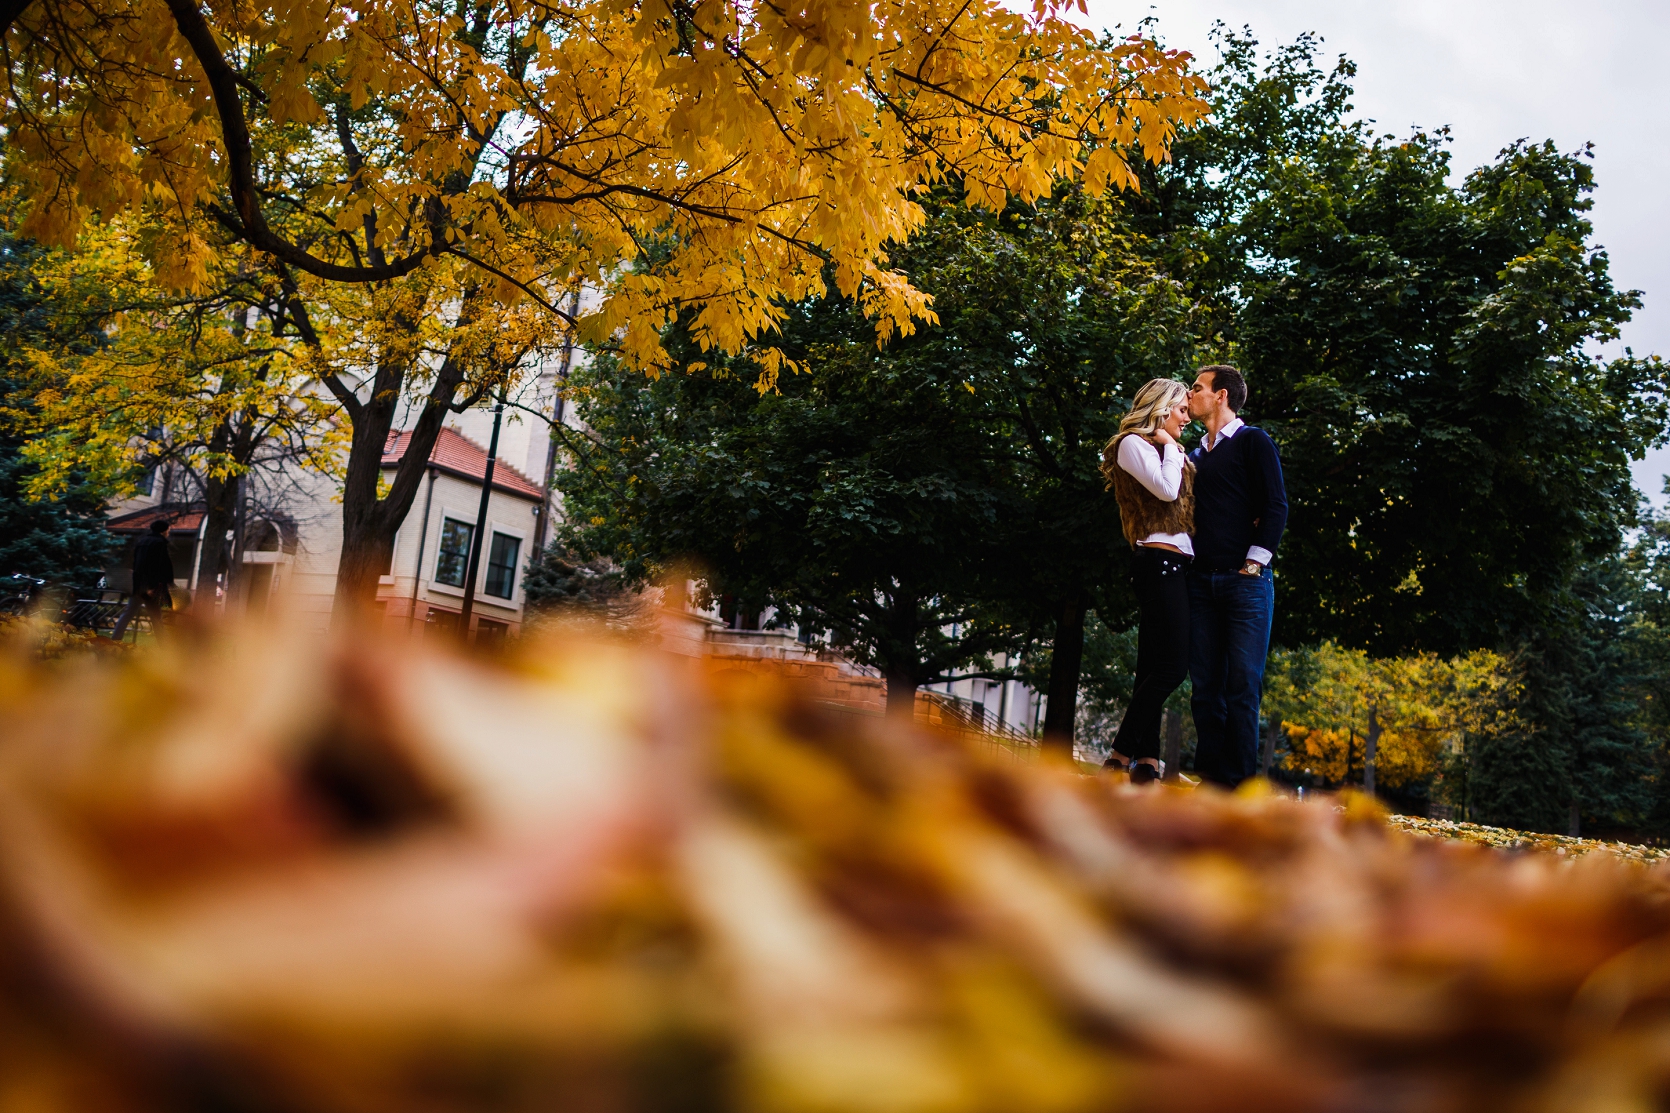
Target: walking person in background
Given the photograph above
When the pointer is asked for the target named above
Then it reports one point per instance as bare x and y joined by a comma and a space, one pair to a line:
1154, 484
153, 576
1240, 512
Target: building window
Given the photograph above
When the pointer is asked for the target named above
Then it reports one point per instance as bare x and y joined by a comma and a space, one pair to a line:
440, 623
454, 559
147, 481
501, 566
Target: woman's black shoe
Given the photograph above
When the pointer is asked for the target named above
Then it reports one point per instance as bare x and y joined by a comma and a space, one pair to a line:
1143, 773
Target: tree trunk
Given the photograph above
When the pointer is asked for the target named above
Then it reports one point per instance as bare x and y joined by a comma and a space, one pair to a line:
223, 500
902, 668
1267, 756
1174, 744
901, 692
1371, 749
1066, 662
369, 524
221, 497
367, 532
1574, 821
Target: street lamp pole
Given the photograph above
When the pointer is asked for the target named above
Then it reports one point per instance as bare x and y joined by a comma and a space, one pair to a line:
542, 526
479, 539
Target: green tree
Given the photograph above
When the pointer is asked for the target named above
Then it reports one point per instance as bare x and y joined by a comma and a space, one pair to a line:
1456, 454
62, 539
937, 498
1588, 757
560, 586
858, 499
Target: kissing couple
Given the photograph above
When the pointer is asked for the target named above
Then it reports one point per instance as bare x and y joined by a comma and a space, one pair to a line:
1204, 527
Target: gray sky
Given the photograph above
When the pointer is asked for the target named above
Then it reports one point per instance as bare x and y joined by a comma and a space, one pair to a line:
1496, 71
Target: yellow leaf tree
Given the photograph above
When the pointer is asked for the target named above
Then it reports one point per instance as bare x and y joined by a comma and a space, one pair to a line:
206, 380
1388, 720
716, 160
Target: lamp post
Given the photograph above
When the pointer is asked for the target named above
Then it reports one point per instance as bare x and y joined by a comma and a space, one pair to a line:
480, 539
543, 525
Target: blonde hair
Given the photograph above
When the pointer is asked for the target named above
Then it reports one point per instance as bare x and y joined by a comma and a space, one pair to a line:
1152, 404
1148, 412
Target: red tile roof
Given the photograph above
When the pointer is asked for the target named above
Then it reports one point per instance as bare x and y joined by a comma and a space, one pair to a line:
456, 454
186, 519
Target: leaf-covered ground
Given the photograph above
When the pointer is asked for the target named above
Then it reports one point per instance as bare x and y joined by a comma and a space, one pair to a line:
1524, 840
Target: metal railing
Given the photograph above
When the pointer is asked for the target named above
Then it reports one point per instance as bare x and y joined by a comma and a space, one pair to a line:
971, 720
100, 615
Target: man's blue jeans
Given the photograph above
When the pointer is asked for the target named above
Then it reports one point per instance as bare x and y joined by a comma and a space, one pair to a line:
1229, 639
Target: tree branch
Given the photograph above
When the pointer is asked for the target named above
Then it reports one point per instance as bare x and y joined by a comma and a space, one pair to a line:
527, 289
249, 224
293, 309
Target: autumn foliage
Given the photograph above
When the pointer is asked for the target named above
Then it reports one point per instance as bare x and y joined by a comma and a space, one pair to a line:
1331, 701
364, 877
727, 155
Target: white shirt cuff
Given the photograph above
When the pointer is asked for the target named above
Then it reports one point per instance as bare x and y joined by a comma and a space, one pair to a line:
1263, 556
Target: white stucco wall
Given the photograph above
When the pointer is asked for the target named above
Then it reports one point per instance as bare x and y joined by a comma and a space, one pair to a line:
507, 514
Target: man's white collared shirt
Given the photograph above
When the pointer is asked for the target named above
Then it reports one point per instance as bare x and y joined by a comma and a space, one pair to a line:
1224, 434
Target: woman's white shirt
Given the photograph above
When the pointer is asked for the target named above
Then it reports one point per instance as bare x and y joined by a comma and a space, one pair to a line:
1162, 475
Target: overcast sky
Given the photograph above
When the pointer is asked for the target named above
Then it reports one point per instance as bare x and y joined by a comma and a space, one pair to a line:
1496, 71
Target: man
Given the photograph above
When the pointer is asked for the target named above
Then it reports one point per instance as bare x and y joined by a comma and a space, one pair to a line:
1240, 512
153, 575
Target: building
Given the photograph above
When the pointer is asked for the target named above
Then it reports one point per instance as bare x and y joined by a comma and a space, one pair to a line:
295, 552
425, 584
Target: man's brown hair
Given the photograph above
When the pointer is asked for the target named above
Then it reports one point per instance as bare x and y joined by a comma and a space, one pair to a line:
1225, 377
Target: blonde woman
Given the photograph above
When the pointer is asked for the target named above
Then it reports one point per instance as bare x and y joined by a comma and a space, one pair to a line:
1153, 482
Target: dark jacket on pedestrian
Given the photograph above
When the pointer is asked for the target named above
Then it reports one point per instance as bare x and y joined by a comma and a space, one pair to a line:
152, 566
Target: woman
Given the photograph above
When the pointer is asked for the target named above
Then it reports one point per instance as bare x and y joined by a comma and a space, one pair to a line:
1154, 483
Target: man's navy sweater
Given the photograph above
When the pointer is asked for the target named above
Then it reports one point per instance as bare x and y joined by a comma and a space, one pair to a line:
1240, 499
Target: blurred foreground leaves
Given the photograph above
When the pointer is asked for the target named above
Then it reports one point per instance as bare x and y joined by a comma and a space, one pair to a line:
268, 873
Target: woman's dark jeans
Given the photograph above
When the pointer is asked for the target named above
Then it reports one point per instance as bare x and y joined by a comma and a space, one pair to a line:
1161, 582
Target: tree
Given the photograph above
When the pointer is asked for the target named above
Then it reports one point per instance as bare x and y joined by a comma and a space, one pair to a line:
559, 585
1648, 632
1456, 454
950, 478
61, 539
1386, 723
1054, 313
549, 145
206, 381
857, 499
717, 160
418, 349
